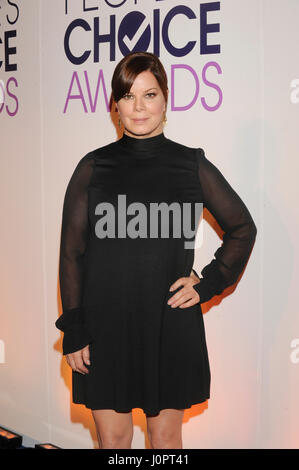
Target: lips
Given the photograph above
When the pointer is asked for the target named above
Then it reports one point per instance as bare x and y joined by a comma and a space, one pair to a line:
140, 120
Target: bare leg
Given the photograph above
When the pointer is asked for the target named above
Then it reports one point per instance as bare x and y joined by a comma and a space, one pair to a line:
165, 429
114, 430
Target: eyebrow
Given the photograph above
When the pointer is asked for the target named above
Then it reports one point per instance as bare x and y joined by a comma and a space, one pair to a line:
153, 88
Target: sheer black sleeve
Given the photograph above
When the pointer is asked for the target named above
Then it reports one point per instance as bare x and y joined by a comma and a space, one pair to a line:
234, 219
73, 245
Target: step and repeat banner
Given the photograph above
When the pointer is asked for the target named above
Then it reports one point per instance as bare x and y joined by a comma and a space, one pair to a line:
234, 91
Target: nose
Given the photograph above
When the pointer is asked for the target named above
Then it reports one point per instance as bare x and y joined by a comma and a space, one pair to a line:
139, 105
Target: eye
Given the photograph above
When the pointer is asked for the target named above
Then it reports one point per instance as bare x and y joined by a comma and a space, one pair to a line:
129, 95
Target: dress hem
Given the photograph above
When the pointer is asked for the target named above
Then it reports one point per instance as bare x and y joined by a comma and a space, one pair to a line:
146, 411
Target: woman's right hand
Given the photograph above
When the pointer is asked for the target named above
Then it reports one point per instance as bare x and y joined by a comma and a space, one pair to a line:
77, 359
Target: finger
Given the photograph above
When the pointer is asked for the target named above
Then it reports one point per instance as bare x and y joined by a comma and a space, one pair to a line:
181, 300
71, 362
80, 367
189, 295
189, 303
175, 297
86, 355
179, 282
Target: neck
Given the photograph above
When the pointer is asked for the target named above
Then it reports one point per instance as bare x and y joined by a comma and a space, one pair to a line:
143, 147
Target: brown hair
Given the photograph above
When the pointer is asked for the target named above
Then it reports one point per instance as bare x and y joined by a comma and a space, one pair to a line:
130, 66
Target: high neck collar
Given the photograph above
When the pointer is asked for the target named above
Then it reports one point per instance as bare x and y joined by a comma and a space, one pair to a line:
143, 147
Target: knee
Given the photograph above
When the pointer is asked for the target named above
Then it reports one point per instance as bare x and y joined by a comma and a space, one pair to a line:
116, 440
165, 439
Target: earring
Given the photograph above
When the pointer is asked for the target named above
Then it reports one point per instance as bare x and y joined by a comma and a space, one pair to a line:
119, 123
165, 120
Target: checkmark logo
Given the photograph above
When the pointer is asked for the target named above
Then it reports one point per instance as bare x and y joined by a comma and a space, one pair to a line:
131, 43
134, 33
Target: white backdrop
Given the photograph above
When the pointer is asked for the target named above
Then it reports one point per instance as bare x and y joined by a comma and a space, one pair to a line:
235, 93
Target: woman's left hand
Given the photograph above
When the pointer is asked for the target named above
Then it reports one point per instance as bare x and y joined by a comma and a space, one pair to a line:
186, 296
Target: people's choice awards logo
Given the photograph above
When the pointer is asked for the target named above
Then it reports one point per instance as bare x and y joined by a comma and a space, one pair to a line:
105, 35
9, 15
1, 91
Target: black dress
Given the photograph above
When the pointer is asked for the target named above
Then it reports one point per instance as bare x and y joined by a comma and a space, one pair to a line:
114, 288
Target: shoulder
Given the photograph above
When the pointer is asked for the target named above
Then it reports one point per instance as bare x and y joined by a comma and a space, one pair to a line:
195, 154
182, 147
104, 150
89, 159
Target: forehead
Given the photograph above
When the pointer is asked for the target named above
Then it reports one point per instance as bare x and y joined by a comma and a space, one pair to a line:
144, 80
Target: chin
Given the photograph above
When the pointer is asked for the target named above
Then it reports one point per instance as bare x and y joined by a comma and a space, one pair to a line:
141, 129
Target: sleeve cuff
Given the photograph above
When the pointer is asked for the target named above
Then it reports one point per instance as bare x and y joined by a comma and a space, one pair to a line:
75, 338
211, 285
69, 318
203, 291
76, 335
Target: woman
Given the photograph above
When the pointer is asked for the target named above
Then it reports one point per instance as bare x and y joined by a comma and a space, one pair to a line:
132, 320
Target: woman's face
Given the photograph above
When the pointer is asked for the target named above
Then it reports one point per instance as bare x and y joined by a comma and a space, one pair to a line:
142, 110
